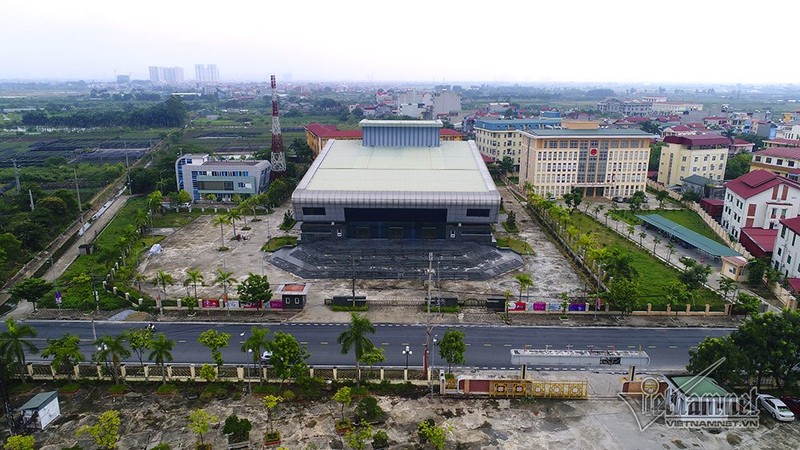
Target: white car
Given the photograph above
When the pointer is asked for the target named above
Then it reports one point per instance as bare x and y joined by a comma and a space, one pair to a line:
776, 407
265, 357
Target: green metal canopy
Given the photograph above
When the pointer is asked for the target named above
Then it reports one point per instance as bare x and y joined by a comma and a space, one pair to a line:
692, 238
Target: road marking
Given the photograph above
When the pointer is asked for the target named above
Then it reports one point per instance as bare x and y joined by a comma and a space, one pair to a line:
384, 343
651, 346
506, 345
487, 345
673, 346
303, 343
323, 343
631, 346
467, 345
181, 342
404, 343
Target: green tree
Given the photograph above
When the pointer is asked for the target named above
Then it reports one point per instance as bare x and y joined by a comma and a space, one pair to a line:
435, 435
623, 295
771, 342
271, 402
14, 342
670, 248
731, 370
161, 352
254, 289
651, 126
193, 278
114, 347
357, 438
452, 348
232, 216
636, 201
257, 342
65, 351
573, 199
221, 220
30, 289
755, 271
354, 337
105, 432
373, 356
215, 340
162, 279
139, 340
676, 295
525, 282
19, 442
224, 279
184, 197
737, 165
511, 221
748, 304
695, 274
344, 397
619, 264
506, 165
288, 358
661, 197
726, 285
200, 422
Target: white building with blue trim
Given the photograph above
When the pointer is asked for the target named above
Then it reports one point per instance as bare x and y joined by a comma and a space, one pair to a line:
199, 175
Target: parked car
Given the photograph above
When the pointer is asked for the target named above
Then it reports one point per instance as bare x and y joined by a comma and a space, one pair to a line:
265, 357
793, 403
617, 199
776, 408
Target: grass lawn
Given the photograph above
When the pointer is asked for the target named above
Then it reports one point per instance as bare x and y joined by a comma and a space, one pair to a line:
625, 215
654, 275
509, 229
279, 242
172, 219
690, 220
517, 245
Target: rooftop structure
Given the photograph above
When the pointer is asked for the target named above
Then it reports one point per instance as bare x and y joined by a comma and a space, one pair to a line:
200, 176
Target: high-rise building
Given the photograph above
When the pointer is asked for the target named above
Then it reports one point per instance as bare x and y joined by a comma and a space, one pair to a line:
206, 73
166, 74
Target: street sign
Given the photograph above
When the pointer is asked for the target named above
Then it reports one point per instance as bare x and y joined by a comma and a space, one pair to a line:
58, 298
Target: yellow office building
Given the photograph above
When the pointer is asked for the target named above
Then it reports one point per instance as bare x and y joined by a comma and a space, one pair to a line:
683, 156
604, 162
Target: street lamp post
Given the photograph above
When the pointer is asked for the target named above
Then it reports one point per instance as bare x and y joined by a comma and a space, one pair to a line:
599, 275
433, 356
249, 373
407, 352
102, 348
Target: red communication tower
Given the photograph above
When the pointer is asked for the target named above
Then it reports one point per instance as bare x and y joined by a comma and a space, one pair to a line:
278, 158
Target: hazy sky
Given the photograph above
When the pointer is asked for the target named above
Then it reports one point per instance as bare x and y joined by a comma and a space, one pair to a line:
710, 41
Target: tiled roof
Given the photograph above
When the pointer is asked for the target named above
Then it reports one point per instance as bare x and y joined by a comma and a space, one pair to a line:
781, 152
680, 128
756, 182
787, 142
742, 142
792, 224
794, 283
763, 238
708, 139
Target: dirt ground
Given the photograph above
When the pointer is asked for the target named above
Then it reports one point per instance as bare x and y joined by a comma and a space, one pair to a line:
601, 422
195, 246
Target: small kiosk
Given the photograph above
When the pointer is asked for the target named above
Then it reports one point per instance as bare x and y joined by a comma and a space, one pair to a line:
293, 295
41, 410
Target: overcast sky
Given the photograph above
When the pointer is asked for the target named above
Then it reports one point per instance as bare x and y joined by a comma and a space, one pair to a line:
708, 41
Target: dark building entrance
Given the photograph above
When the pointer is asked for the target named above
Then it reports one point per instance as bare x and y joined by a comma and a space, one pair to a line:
396, 223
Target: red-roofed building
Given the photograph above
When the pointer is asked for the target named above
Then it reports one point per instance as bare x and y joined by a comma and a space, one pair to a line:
715, 121
778, 160
318, 134
678, 130
758, 241
740, 146
759, 199
780, 142
786, 256
683, 156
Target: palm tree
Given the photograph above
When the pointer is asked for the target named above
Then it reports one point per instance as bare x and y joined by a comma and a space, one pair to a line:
642, 235
670, 247
656, 241
194, 277
13, 344
163, 279
162, 351
220, 220
138, 278
631, 229
597, 210
607, 213
225, 279
525, 282
233, 215
66, 351
257, 342
619, 264
113, 346
354, 337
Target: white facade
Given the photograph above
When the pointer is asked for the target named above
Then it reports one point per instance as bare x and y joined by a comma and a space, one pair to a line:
786, 254
206, 73
415, 110
761, 210
445, 102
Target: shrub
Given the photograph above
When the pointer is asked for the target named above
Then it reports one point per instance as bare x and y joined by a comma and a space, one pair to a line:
237, 429
368, 410
162, 446
117, 389
166, 389
380, 440
288, 395
310, 388
266, 389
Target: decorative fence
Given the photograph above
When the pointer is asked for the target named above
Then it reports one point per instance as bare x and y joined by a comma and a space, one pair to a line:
231, 373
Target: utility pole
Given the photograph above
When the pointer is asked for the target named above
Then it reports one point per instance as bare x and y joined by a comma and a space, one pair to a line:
428, 326
128, 168
16, 173
353, 260
30, 195
80, 208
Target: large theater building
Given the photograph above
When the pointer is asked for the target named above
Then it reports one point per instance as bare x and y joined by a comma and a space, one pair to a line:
401, 181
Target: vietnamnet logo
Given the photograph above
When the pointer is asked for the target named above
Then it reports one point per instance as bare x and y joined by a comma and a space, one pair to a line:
690, 402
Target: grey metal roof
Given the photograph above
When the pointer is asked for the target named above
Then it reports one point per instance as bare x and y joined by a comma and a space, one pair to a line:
39, 400
693, 238
697, 179
400, 123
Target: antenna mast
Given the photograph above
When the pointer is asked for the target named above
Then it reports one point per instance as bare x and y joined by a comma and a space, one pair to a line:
278, 156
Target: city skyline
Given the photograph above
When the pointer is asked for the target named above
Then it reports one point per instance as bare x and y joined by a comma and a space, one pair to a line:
580, 42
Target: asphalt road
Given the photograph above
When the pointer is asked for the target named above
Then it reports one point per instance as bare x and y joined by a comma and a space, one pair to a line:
487, 346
